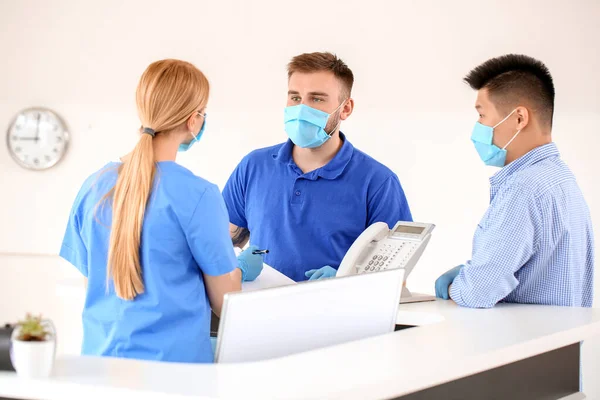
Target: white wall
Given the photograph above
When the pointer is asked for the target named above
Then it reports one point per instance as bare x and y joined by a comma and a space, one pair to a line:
413, 113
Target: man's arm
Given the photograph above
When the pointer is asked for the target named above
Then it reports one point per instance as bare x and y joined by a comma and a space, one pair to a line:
388, 204
505, 241
239, 236
234, 195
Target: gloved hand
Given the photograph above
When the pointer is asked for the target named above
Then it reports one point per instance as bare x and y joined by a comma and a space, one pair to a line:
321, 273
444, 281
250, 264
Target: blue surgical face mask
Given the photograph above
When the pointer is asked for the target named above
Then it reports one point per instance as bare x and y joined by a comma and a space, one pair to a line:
489, 153
305, 125
196, 138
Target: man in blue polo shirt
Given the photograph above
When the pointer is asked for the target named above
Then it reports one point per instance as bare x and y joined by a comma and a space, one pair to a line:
308, 199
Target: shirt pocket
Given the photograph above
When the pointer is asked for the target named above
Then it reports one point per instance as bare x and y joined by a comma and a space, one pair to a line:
484, 221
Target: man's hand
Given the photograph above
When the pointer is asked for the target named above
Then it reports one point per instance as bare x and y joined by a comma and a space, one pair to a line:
321, 273
442, 284
250, 264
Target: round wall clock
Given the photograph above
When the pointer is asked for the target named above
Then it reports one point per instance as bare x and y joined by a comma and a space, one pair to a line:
37, 138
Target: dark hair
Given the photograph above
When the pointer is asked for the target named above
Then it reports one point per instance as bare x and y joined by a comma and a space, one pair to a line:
315, 62
514, 78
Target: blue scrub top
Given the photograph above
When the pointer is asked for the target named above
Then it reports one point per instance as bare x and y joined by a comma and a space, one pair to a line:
185, 235
310, 220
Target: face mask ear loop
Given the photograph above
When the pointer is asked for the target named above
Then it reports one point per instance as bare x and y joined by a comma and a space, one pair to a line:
339, 123
511, 113
513, 138
334, 129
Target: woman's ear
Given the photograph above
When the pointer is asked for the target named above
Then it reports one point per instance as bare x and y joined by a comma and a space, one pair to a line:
191, 123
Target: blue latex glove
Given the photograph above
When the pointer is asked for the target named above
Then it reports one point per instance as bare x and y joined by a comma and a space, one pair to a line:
443, 282
250, 264
321, 273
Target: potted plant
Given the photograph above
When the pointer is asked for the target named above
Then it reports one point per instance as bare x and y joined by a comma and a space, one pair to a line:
33, 346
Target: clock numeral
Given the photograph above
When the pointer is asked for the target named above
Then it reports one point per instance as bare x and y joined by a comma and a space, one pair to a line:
55, 128
17, 149
47, 158
58, 139
15, 137
55, 150
36, 161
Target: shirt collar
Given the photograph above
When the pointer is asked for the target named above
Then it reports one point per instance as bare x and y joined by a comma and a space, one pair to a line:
331, 170
534, 156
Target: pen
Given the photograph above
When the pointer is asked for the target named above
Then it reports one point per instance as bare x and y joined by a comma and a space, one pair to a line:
260, 251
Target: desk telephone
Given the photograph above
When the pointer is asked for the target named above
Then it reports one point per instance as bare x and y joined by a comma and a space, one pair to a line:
379, 248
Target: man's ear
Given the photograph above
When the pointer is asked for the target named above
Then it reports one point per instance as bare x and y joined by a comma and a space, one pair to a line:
347, 109
523, 116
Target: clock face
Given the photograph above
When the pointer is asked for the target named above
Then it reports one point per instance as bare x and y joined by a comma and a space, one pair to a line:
37, 138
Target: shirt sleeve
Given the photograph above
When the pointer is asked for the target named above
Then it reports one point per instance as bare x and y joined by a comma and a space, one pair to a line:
234, 195
207, 234
505, 240
388, 204
73, 248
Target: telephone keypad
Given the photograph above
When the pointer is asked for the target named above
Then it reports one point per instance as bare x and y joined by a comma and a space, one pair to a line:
388, 254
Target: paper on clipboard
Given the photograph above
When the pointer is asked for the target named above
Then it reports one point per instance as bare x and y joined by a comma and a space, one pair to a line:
268, 278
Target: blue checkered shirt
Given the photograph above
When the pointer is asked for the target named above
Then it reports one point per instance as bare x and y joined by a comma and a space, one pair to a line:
535, 243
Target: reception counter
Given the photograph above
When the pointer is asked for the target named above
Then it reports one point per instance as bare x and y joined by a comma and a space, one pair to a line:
510, 351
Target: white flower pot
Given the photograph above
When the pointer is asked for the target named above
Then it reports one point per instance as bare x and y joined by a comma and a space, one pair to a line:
34, 359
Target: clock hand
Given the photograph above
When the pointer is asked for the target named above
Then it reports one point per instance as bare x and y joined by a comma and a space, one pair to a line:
37, 130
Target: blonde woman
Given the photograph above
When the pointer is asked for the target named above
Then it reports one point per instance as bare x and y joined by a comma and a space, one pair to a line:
152, 238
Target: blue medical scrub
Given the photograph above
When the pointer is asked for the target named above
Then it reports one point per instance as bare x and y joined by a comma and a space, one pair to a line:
185, 235
310, 220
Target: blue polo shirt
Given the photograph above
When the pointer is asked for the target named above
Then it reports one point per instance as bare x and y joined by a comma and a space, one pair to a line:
310, 220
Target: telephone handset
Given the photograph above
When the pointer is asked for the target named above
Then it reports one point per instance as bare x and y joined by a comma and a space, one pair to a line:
379, 248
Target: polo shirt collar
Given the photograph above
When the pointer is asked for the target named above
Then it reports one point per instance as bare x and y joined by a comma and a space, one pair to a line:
331, 170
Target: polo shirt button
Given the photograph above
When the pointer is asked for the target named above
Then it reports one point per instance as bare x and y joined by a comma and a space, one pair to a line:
297, 193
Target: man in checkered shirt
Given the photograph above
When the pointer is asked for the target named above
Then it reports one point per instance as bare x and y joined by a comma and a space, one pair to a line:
535, 243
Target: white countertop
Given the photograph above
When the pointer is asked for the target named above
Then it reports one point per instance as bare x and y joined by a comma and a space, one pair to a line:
455, 342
